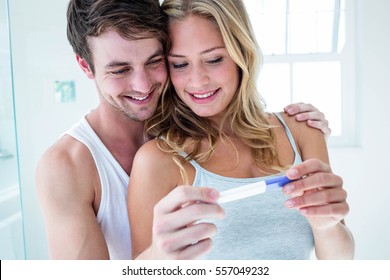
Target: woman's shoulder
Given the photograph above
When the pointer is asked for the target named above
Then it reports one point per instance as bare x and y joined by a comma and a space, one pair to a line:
150, 159
150, 152
276, 118
297, 128
310, 141
154, 171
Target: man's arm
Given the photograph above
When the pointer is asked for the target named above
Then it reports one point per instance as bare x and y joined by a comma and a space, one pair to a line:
66, 195
310, 114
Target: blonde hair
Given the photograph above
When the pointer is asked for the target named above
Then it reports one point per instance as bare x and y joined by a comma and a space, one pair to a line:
179, 129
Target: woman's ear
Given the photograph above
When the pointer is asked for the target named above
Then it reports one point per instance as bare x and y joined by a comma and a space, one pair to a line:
85, 66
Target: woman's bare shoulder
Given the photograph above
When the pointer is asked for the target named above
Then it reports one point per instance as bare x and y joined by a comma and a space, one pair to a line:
151, 152
150, 160
310, 141
297, 128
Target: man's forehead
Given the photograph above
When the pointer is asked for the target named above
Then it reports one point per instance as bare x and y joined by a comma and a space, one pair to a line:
111, 46
131, 59
113, 37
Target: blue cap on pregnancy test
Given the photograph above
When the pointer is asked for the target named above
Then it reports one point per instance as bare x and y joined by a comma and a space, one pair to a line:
276, 182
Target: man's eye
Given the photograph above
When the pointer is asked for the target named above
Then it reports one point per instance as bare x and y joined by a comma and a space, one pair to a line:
156, 61
119, 72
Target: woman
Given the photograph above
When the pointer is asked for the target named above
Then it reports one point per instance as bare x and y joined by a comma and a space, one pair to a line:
212, 132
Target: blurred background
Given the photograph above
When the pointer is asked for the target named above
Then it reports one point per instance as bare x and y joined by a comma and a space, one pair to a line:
333, 54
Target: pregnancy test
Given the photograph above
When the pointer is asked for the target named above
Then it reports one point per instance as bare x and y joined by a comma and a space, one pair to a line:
252, 189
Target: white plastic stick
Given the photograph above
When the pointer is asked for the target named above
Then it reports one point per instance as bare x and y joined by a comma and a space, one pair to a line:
242, 192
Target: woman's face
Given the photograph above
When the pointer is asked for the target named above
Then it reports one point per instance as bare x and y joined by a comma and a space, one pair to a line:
204, 75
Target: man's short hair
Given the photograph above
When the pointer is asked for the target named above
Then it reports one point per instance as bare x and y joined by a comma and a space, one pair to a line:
132, 19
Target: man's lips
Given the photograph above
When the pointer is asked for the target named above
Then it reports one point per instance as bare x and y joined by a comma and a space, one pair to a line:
140, 99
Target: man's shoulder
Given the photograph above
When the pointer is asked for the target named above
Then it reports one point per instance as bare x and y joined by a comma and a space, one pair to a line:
66, 158
66, 150
67, 172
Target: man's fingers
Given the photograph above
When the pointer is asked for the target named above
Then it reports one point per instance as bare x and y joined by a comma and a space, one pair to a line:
184, 194
322, 125
312, 115
295, 108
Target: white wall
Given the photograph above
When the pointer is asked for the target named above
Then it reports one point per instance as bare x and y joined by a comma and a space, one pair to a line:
365, 167
42, 55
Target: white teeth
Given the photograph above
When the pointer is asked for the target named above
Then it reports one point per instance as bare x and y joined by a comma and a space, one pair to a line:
140, 98
204, 95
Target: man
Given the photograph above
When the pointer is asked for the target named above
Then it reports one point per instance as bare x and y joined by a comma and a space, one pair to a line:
82, 179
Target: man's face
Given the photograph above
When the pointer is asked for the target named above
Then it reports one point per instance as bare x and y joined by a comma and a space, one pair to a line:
129, 74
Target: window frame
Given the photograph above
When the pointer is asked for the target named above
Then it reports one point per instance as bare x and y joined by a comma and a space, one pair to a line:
346, 57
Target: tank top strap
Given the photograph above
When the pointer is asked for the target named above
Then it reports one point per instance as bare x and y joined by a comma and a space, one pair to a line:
290, 137
192, 162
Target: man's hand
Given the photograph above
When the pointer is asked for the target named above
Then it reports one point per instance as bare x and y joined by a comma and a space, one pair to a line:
177, 232
310, 114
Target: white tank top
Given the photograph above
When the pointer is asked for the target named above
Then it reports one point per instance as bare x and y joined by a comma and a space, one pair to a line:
112, 215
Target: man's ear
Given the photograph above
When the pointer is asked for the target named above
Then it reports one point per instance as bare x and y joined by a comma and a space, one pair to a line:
84, 66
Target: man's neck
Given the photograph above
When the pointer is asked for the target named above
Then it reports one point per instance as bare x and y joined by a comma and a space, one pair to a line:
122, 136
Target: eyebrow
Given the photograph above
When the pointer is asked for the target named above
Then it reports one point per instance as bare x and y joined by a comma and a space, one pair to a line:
202, 52
117, 63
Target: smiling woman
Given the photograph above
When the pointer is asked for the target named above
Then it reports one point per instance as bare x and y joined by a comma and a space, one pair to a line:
201, 73
211, 130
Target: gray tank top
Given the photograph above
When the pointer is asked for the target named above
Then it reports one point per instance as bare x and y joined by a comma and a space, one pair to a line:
258, 227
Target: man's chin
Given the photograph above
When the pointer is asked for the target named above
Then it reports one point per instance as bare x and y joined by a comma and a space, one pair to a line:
141, 116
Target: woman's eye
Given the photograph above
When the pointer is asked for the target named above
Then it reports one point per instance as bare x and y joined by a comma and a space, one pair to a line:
215, 61
179, 65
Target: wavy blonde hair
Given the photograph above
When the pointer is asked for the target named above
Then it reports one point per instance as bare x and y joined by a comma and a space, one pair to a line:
178, 129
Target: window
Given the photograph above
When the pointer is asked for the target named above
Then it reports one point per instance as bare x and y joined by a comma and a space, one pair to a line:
308, 49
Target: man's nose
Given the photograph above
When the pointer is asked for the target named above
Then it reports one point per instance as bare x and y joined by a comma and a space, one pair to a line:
140, 81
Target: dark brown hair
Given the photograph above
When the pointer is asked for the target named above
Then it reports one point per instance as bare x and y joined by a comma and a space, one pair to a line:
132, 19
